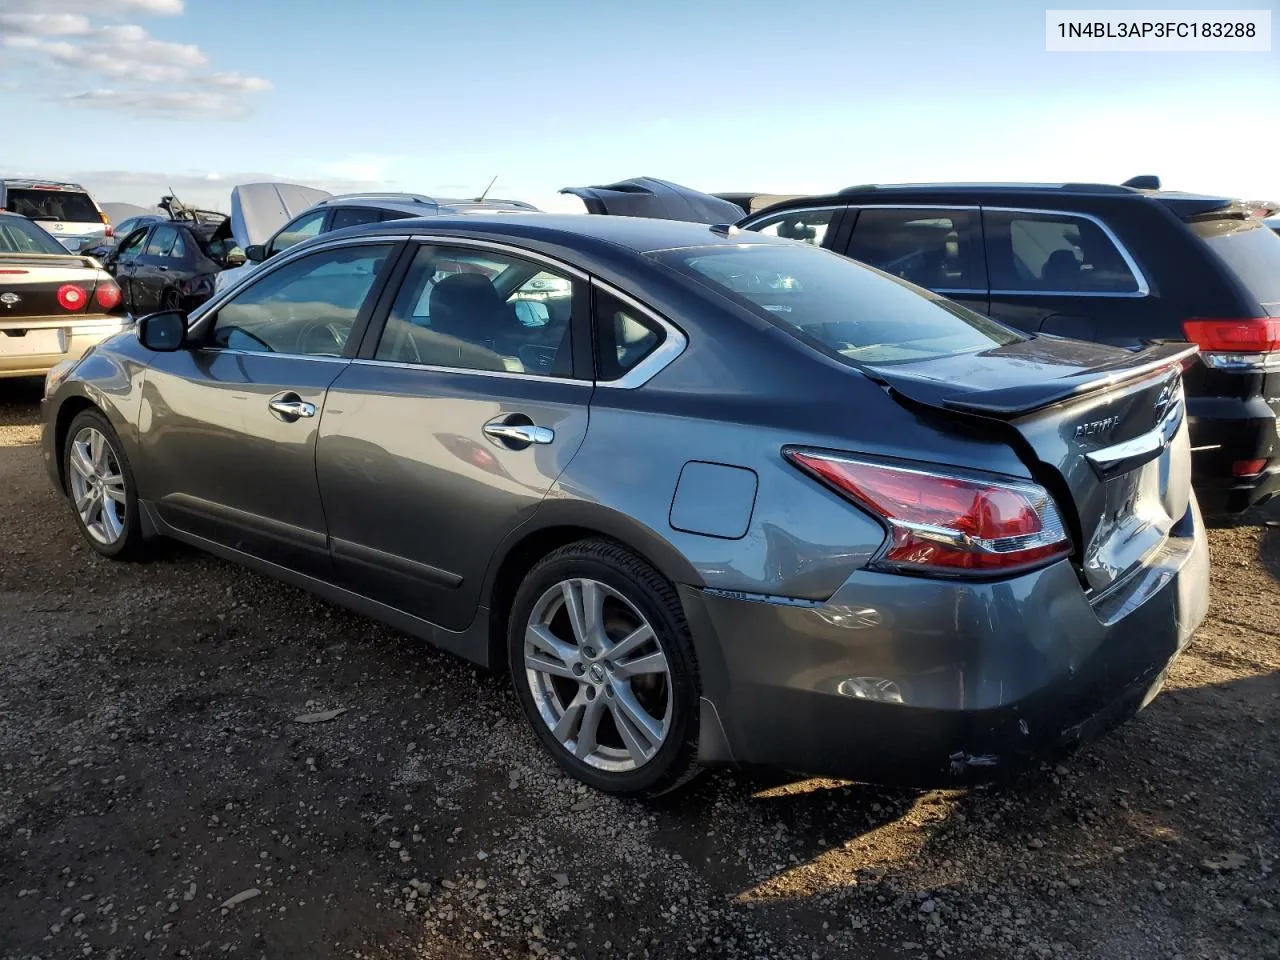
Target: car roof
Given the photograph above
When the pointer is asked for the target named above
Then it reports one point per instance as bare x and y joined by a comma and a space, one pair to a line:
584, 231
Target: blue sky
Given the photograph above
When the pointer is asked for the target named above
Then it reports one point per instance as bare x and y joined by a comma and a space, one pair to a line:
807, 95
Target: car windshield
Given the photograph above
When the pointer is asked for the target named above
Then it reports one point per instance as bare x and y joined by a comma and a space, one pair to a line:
22, 236
838, 306
1250, 251
67, 206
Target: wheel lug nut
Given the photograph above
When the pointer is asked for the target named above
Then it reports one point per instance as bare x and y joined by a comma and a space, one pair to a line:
579, 669
591, 693
589, 651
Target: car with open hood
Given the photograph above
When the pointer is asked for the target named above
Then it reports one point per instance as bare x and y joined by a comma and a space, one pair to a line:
737, 500
54, 305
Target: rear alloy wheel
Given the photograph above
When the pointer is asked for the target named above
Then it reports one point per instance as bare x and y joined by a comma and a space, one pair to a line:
100, 486
602, 662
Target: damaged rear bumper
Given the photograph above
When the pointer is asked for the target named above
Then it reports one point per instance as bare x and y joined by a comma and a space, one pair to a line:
936, 683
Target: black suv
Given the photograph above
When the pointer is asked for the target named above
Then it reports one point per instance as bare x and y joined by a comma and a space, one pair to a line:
1115, 264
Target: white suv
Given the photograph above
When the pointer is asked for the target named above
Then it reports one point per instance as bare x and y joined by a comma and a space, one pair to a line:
65, 210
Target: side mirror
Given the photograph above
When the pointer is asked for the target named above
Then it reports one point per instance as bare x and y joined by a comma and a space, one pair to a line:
255, 252
163, 332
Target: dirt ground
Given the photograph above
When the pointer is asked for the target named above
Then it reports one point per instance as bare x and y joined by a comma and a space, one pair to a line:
159, 798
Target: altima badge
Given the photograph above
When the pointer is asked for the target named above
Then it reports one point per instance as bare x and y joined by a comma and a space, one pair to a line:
9, 299
1095, 428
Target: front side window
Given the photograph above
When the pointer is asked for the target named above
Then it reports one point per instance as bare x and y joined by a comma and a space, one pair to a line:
1053, 253
304, 228
132, 245
837, 306
476, 310
930, 248
307, 307
809, 226
21, 236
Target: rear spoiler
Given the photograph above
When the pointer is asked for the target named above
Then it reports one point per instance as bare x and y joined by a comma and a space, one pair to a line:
1009, 402
47, 260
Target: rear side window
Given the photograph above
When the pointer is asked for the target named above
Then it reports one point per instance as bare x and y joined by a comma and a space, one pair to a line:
838, 306
1053, 253
350, 216
1250, 251
624, 336
930, 248
19, 236
809, 226
66, 206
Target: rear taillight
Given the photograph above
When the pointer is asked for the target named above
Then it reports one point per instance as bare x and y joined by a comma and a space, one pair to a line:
107, 295
943, 523
111, 231
72, 297
1248, 468
1247, 344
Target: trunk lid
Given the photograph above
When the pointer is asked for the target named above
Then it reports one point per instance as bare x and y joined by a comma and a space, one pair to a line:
29, 285
1103, 431
659, 199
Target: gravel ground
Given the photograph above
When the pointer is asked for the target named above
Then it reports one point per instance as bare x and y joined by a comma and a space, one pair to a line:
161, 795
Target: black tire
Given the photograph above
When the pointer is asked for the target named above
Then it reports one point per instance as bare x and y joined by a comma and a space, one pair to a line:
675, 761
130, 544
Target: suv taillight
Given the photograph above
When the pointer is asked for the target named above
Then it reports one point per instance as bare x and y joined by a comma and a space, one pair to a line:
1250, 344
943, 523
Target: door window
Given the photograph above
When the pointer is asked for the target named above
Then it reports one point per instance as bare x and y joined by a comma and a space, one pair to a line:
132, 244
306, 308
1053, 253
930, 248
476, 310
161, 242
304, 228
809, 226
350, 216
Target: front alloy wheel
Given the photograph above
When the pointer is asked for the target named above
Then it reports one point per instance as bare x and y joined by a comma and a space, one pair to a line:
97, 486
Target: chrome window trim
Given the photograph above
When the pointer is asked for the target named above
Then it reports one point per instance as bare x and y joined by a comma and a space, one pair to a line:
1144, 288
505, 248
319, 358
673, 344
500, 374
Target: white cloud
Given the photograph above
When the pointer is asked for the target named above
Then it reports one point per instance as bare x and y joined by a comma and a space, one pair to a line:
67, 34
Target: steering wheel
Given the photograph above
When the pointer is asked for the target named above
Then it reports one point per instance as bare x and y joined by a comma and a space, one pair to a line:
325, 341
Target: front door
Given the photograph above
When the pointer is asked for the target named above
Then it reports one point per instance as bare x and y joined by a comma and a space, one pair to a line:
469, 400
228, 428
122, 263
154, 271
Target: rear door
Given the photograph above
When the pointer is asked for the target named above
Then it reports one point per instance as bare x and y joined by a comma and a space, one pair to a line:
228, 441
457, 417
1067, 274
938, 248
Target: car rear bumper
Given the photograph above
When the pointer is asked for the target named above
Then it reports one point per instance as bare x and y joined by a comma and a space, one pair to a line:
930, 682
1225, 431
58, 342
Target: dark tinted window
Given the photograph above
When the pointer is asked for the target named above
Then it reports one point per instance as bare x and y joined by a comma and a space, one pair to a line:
350, 216
932, 248
624, 336
476, 310
1248, 249
307, 307
65, 205
1053, 253
132, 245
807, 225
22, 236
838, 306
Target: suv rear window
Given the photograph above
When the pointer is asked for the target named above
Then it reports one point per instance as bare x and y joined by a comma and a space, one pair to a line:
838, 306
1250, 251
66, 206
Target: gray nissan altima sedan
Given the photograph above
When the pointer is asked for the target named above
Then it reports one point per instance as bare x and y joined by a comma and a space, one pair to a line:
710, 497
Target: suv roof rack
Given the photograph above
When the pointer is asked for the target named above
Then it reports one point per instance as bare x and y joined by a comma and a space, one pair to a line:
381, 195
1090, 187
28, 181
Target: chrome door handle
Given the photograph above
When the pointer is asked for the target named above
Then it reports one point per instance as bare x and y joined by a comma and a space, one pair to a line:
289, 407
522, 433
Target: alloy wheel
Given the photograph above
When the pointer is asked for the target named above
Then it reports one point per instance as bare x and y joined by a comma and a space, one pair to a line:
598, 674
97, 486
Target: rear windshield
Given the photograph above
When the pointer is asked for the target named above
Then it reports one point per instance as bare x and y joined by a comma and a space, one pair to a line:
841, 307
1251, 251
21, 236
65, 205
